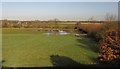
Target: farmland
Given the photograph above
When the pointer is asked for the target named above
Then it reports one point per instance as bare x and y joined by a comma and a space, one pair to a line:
39, 44
31, 48
59, 34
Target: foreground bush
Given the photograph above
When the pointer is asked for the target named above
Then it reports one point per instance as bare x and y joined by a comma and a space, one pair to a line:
110, 47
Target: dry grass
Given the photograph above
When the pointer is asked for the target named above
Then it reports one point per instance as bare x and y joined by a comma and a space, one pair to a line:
91, 27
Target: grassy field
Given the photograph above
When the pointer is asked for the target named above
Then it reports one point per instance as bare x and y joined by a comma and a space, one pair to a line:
30, 48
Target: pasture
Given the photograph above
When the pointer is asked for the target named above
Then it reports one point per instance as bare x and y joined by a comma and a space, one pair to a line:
31, 48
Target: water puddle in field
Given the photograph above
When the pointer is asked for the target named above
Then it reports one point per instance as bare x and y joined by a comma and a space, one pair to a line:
60, 32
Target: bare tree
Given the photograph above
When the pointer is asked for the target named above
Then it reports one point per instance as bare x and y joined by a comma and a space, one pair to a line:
56, 23
111, 21
110, 17
91, 19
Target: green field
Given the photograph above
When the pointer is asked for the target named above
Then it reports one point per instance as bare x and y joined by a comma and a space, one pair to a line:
30, 48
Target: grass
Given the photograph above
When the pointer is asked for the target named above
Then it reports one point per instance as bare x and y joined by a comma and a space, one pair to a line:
29, 48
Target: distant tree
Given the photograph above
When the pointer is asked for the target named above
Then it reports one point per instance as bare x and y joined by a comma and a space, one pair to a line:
110, 17
53, 24
56, 23
77, 25
19, 24
91, 19
111, 23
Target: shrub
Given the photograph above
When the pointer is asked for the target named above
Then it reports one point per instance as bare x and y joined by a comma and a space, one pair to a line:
106, 26
110, 47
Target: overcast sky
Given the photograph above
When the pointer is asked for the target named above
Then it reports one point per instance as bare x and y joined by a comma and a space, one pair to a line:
61, 10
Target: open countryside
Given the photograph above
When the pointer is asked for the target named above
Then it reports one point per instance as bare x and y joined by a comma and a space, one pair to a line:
52, 37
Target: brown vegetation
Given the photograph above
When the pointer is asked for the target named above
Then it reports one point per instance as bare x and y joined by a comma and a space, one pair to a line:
110, 47
91, 28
